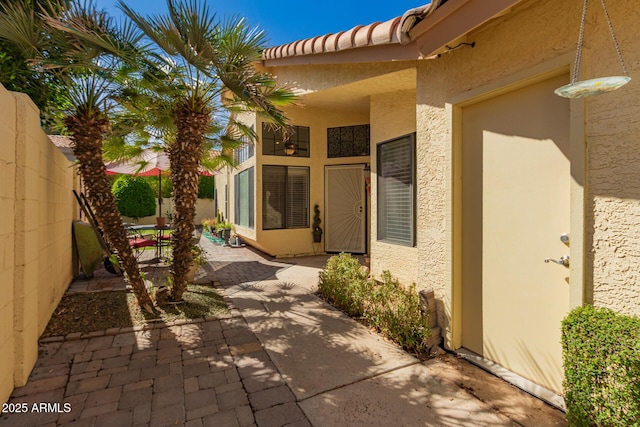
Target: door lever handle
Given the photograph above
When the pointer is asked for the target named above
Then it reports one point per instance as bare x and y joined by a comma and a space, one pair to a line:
564, 260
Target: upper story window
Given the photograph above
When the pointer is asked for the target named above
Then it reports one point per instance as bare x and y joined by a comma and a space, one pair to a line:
297, 145
244, 153
397, 191
348, 141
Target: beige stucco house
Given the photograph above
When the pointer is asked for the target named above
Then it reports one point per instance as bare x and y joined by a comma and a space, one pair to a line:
474, 171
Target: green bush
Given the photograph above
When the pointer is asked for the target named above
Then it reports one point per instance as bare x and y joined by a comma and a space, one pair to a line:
396, 311
386, 306
167, 187
135, 196
206, 187
601, 352
344, 284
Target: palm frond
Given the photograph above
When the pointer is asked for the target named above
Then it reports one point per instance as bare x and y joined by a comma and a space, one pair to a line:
120, 148
88, 33
21, 26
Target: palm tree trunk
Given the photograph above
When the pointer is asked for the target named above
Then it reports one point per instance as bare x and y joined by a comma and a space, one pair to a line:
185, 155
88, 130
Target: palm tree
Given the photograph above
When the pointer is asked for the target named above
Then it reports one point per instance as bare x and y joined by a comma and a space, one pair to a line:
43, 87
91, 72
207, 60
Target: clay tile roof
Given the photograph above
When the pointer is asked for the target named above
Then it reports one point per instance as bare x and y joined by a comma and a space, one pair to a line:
393, 31
61, 141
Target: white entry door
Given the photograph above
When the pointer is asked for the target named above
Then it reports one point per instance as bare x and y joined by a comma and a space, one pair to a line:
515, 208
345, 216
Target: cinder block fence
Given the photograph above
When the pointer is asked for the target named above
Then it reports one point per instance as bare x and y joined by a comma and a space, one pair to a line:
36, 255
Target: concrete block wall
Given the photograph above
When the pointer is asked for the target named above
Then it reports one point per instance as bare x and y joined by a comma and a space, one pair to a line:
37, 209
7, 239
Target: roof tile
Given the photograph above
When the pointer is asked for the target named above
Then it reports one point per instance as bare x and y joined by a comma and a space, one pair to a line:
377, 33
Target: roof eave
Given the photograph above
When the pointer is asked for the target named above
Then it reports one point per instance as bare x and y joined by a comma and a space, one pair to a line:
379, 53
454, 19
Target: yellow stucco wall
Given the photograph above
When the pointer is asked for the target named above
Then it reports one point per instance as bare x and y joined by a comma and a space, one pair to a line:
613, 153
536, 33
299, 241
392, 115
340, 78
37, 208
7, 240
330, 96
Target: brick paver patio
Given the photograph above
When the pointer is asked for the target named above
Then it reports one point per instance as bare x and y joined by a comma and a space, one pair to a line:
214, 371
207, 372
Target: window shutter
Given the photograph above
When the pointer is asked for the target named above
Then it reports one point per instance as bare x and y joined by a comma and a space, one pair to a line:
297, 197
273, 197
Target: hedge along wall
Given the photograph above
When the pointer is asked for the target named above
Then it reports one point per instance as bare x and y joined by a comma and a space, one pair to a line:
204, 209
601, 351
36, 211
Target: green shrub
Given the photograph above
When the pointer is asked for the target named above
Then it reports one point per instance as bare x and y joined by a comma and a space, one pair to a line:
388, 307
206, 187
344, 284
601, 352
135, 196
167, 187
396, 312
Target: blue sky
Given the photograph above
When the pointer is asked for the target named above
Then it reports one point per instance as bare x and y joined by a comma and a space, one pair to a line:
285, 21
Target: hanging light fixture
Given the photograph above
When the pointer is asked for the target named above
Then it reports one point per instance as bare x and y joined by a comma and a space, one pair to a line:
289, 148
581, 89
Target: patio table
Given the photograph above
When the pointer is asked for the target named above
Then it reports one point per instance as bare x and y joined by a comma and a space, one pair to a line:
161, 240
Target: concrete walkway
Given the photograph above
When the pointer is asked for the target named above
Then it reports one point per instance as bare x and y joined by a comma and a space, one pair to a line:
282, 357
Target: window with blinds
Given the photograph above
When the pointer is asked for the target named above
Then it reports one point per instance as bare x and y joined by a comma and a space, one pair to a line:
396, 191
285, 197
243, 195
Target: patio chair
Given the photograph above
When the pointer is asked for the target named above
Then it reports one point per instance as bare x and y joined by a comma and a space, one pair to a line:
164, 242
138, 242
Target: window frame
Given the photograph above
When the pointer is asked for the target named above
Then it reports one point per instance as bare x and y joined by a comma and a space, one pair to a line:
251, 197
344, 138
285, 203
270, 136
244, 153
382, 210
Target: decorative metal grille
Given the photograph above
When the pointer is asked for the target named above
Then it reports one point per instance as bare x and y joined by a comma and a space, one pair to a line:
348, 141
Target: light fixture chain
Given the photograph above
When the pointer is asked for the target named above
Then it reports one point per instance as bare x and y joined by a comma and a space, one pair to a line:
613, 36
576, 65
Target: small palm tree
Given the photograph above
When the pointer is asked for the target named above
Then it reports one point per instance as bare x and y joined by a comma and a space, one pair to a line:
205, 60
83, 39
